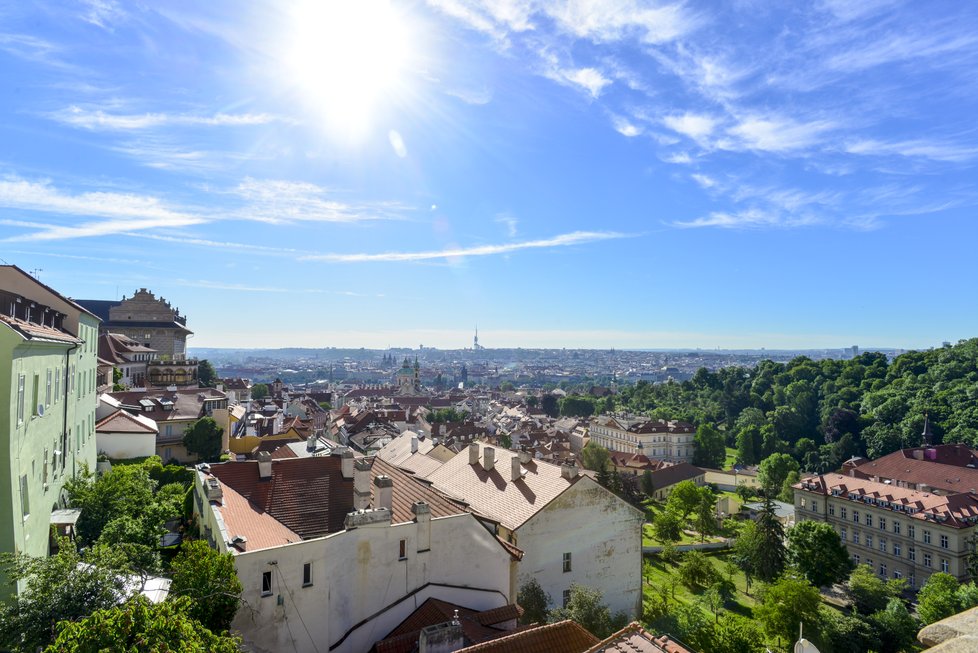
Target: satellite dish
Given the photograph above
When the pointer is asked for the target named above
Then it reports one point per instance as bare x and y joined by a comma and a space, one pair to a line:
40, 410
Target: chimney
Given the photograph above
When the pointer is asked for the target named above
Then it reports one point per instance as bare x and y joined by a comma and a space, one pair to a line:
488, 459
525, 456
346, 463
422, 516
264, 464
568, 470
414, 444
311, 443
474, 453
517, 470
361, 484
385, 492
212, 488
442, 638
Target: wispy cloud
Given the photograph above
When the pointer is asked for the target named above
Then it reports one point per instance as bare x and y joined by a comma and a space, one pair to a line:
705, 181
471, 96
119, 211
916, 148
278, 201
218, 244
625, 127
752, 218
697, 126
903, 47
100, 120
614, 20
776, 134
102, 13
510, 222
563, 240
588, 79
34, 49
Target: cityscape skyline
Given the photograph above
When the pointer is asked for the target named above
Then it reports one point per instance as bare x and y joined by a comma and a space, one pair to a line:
572, 174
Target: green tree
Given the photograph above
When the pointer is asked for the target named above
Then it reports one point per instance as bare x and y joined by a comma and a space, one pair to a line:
534, 601
769, 554
683, 499
548, 404
532, 401
585, 607
259, 391
210, 579
815, 550
667, 526
787, 494
576, 407
937, 599
841, 633
868, 592
507, 386
595, 457
735, 634
710, 447
124, 492
773, 471
695, 570
704, 516
57, 588
895, 627
648, 484
139, 625
203, 438
206, 375
788, 601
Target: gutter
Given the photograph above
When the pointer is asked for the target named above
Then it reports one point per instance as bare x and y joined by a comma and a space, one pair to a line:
64, 419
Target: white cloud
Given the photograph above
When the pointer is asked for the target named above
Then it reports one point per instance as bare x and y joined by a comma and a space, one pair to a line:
277, 201
752, 218
120, 211
102, 13
776, 134
99, 120
509, 221
614, 20
901, 47
704, 181
917, 148
680, 158
696, 126
471, 96
563, 240
625, 127
589, 79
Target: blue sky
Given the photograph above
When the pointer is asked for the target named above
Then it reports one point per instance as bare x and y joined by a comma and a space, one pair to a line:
571, 173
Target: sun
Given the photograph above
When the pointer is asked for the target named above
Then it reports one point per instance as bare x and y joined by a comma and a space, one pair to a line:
349, 59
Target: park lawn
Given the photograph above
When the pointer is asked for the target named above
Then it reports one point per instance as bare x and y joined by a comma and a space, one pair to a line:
731, 458
660, 574
648, 539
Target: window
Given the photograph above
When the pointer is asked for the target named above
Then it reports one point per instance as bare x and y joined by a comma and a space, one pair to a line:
912, 580
883, 570
869, 541
803, 502
896, 549
869, 519
402, 550
47, 390
944, 565
57, 385
912, 553
883, 545
855, 537
832, 510
855, 559
911, 531
855, 516
814, 505
25, 500
882, 523
927, 560
566, 598
897, 575
842, 535
896, 529
266, 583
943, 541
307, 574
34, 396
842, 512
926, 537
20, 399
567, 562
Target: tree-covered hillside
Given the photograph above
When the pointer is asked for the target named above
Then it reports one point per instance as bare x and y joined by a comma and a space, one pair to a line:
826, 411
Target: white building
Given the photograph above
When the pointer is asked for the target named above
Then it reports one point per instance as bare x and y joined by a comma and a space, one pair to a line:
661, 439
333, 556
571, 530
123, 435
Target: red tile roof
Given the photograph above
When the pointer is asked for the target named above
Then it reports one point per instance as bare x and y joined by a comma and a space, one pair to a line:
668, 476
34, 331
408, 490
241, 517
122, 422
561, 637
943, 466
635, 639
308, 495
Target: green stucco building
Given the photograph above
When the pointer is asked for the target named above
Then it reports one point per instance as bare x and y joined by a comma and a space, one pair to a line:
48, 361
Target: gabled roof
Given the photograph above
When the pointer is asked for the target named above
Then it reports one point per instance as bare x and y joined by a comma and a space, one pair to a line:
123, 422
667, 476
941, 466
493, 493
635, 639
476, 625
399, 449
408, 491
307, 495
39, 332
243, 518
561, 637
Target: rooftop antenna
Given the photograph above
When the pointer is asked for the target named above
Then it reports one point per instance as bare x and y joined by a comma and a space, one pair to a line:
35, 272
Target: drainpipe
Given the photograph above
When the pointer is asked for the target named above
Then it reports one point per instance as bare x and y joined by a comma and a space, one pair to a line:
64, 419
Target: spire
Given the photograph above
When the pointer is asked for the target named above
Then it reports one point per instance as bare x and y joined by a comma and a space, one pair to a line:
926, 435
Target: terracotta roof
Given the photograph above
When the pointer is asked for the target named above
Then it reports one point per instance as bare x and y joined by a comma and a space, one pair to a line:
475, 624
188, 403
308, 495
241, 517
635, 639
561, 637
34, 331
122, 422
956, 510
942, 466
493, 493
408, 490
399, 449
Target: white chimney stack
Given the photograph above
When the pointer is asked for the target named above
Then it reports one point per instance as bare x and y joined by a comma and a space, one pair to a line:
414, 444
264, 464
385, 492
474, 453
516, 468
568, 470
346, 463
361, 484
488, 459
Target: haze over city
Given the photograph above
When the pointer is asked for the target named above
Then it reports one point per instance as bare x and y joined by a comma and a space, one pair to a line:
569, 174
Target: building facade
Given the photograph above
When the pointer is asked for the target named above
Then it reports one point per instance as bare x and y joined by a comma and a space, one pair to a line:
668, 440
899, 532
48, 376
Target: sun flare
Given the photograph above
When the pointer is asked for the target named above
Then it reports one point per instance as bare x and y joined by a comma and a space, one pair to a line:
348, 59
